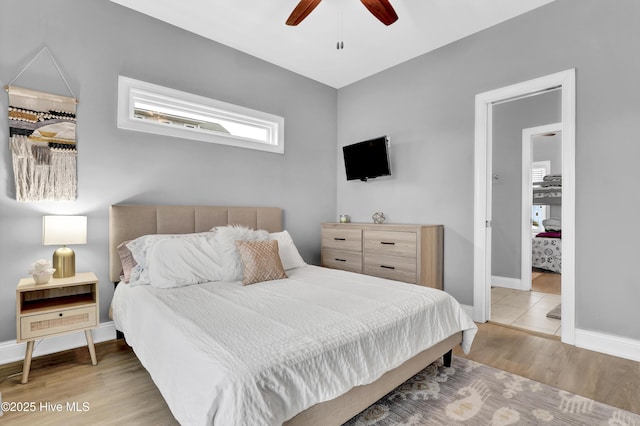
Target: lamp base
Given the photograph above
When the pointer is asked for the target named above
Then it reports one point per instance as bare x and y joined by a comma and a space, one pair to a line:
64, 260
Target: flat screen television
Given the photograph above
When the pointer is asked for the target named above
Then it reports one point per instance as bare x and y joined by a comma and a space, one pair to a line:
368, 159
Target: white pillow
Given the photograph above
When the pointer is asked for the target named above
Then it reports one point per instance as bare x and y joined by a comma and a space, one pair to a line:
287, 250
178, 262
140, 247
225, 238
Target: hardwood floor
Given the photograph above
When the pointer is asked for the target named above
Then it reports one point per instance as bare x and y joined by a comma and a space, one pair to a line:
614, 381
119, 390
546, 282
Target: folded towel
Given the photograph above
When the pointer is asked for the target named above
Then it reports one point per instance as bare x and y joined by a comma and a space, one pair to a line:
548, 183
552, 178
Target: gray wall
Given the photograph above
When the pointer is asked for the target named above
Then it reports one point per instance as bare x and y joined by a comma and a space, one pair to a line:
94, 41
426, 105
548, 148
509, 119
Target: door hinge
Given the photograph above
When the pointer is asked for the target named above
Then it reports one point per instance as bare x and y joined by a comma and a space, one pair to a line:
487, 224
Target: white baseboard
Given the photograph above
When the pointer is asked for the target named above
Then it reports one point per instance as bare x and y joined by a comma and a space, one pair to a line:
11, 351
610, 344
513, 283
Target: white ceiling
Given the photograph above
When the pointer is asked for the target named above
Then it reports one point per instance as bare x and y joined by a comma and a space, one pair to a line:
257, 27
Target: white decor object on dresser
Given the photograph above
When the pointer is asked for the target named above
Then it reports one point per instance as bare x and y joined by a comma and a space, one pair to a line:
41, 271
409, 253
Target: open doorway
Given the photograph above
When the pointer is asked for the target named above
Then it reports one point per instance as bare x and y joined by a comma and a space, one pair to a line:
535, 304
485, 102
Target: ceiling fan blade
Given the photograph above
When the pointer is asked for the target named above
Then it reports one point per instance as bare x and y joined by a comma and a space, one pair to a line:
382, 10
304, 8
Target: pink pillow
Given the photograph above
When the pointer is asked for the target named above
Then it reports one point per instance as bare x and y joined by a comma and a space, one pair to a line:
127, 260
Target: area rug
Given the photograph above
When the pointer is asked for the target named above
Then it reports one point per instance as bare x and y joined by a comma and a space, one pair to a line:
555, 312
469, 393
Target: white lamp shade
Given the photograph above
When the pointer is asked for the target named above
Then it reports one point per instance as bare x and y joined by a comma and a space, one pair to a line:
64, 230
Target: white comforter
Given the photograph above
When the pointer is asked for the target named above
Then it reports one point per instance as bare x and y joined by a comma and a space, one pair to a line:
227, 354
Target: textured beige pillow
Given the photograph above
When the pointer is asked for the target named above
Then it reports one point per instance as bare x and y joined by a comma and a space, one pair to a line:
260, 261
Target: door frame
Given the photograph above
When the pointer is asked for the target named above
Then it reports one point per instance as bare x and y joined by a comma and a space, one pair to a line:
527, 199
566, 81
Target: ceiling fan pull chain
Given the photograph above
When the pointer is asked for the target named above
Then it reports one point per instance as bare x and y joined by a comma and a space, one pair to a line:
340, 43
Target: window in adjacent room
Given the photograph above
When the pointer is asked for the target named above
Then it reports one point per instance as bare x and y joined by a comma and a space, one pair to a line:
150, 108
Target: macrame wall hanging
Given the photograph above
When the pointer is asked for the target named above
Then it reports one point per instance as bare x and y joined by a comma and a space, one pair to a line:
42, 141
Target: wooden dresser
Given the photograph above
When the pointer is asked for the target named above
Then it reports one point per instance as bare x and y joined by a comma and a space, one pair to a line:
409, 253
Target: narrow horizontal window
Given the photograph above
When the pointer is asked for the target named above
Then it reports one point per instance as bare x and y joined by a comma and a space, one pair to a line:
150, 108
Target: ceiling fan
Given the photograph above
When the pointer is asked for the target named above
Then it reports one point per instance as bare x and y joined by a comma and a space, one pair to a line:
381, 9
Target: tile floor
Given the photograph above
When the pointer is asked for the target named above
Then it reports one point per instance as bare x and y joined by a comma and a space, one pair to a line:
525, 309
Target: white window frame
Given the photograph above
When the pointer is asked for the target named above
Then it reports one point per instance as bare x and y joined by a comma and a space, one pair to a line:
545, 164
131, 91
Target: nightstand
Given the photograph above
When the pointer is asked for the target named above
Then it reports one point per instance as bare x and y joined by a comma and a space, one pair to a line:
61, 306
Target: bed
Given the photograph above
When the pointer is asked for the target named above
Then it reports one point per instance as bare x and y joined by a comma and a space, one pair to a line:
316, 347
546, 247
547, 252
548, 191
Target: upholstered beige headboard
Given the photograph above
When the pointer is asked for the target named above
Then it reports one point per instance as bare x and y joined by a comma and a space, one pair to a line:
127, 222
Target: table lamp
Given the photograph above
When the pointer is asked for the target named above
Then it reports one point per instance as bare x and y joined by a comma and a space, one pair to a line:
63, 231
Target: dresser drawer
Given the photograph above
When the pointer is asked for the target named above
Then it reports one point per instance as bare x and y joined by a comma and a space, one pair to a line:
391, 243
342, 239
341, 259
62, 321
393, 267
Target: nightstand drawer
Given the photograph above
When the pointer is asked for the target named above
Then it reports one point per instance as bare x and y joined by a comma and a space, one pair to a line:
62, 321
342, 239
393, 267
391, 243
340, 259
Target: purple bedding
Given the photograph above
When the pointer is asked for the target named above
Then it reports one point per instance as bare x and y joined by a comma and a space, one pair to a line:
554, 234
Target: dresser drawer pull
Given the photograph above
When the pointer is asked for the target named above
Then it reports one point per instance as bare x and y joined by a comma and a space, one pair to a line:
387, 267
60, 314
387, 243
339, 239
340, 260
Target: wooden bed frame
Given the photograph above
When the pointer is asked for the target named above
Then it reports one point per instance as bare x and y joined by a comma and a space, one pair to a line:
127, 222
